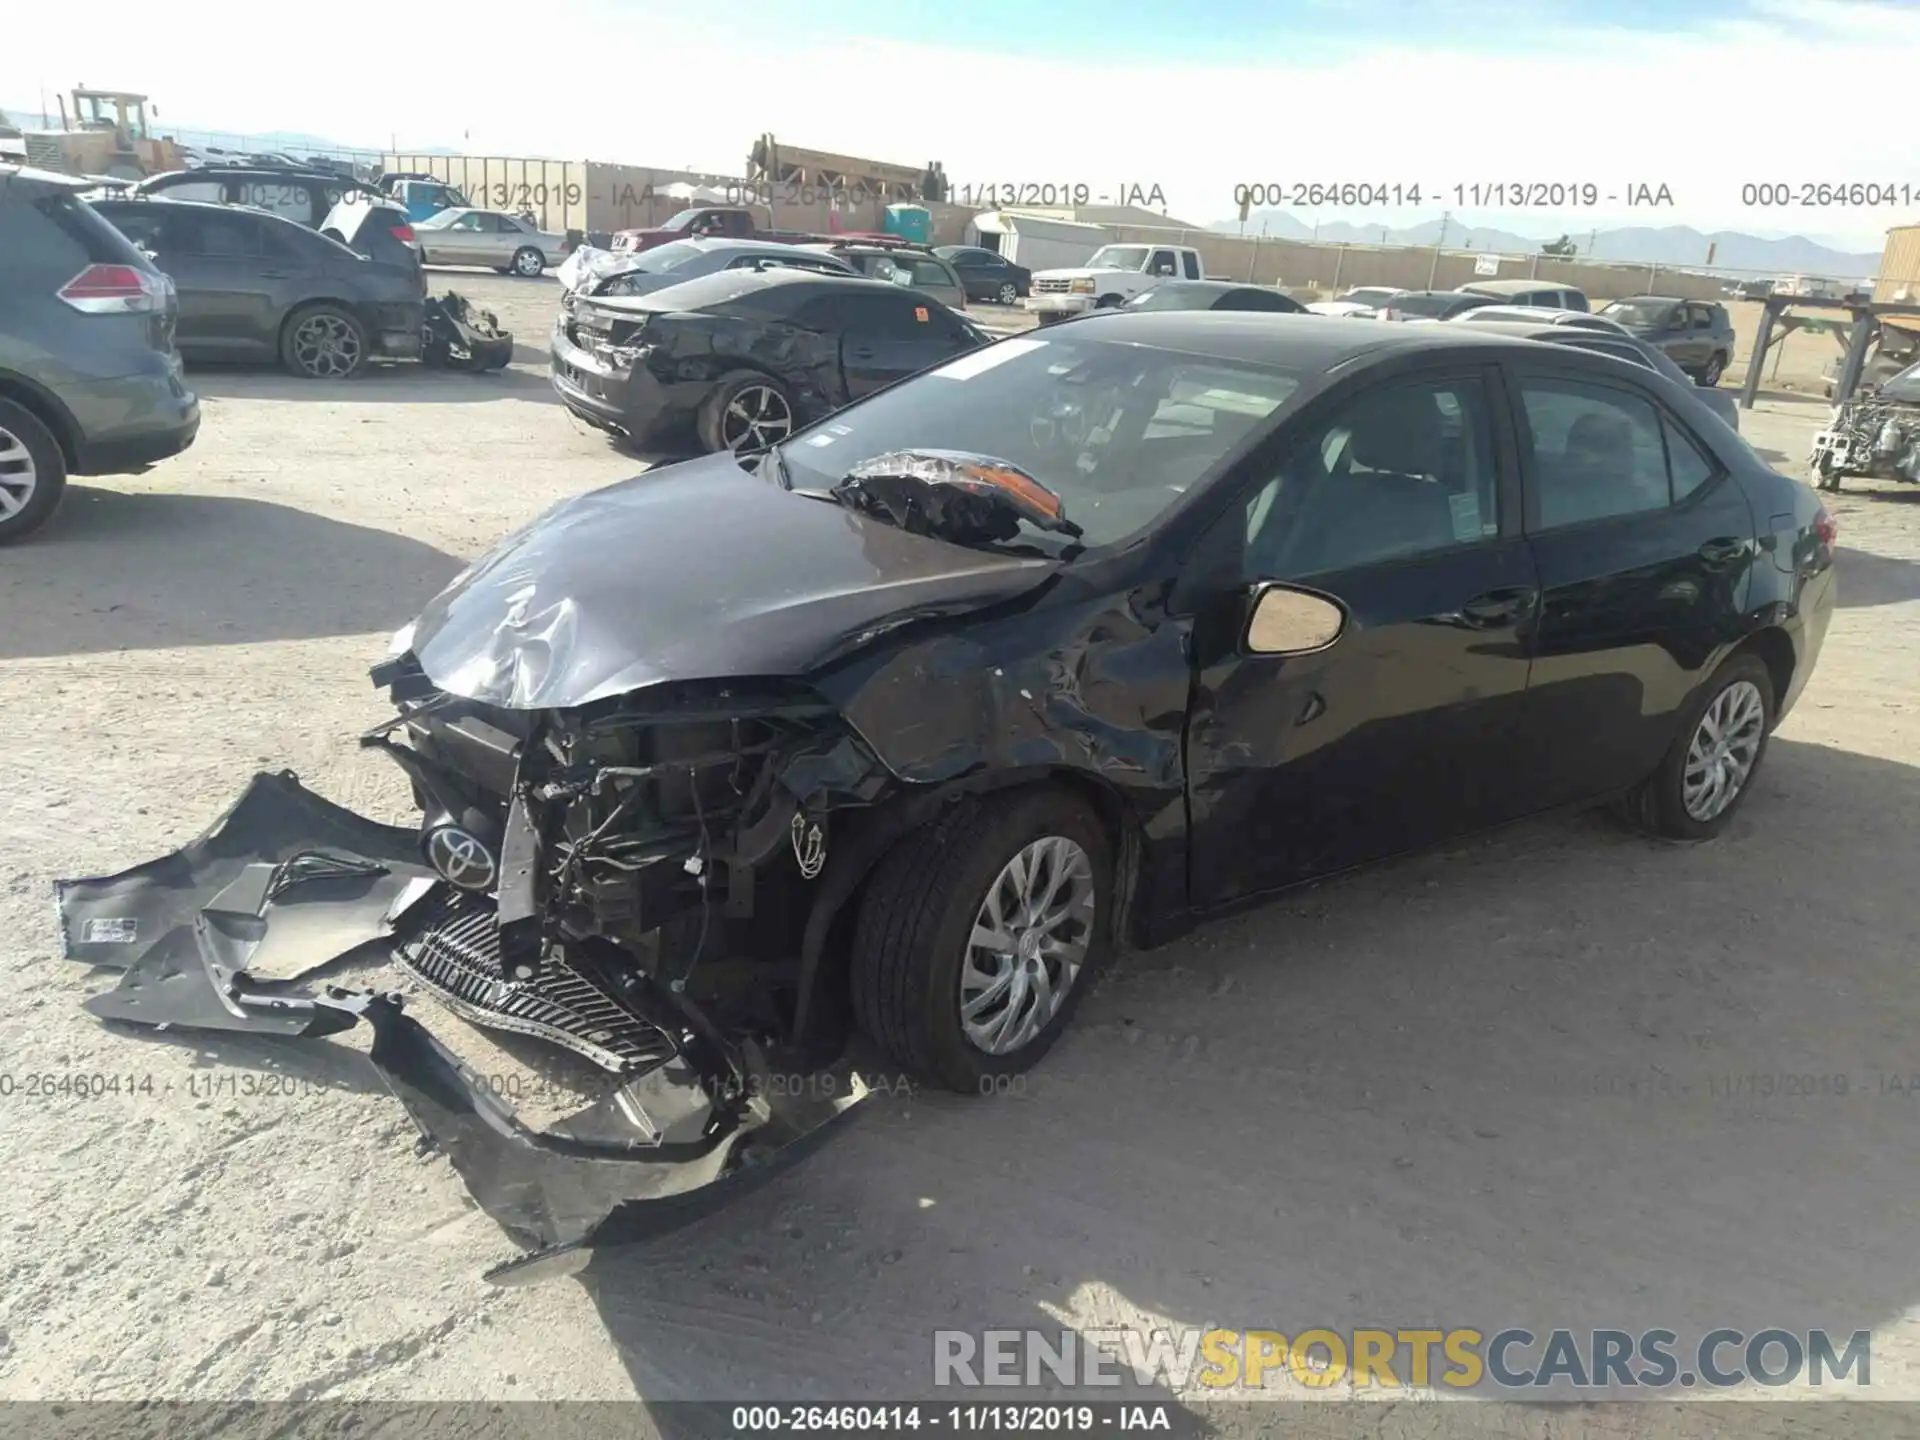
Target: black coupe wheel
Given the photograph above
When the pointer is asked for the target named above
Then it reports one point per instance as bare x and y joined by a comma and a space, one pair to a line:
1716, 752
746, 412
978, 935
323, 342
1008, 293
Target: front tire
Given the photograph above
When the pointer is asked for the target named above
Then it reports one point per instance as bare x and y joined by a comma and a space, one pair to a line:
1708, 772
528, 263
978, 935
33, 472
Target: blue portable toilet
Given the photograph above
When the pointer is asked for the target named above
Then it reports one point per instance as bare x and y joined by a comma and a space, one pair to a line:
910, 222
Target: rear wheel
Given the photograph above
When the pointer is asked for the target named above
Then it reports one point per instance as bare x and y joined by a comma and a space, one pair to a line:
33, 472
978, 935
1716, 367
324, 342
1008, 292
528, 262
1716, 752
746, 412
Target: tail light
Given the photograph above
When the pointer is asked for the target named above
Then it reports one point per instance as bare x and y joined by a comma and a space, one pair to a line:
402, 233
1826, 527
116, 290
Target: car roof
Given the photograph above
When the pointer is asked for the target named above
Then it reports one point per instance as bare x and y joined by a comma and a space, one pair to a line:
1217, 287
1312, 342
36, 181
213, 206
1663, 300
1512, 287
249, 172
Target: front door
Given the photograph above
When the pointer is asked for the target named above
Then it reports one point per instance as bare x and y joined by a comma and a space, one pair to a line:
1402, 508
226, 276
1643, 544
886, 337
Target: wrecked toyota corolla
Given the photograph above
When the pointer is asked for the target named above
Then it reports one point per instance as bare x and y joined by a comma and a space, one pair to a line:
903, 725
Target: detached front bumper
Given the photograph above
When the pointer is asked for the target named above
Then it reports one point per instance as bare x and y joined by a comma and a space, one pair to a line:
288, 883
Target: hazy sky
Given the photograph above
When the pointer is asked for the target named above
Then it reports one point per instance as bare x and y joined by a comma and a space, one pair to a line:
1194, 98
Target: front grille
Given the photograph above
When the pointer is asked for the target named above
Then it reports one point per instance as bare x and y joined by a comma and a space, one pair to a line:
1052, 287
457, 956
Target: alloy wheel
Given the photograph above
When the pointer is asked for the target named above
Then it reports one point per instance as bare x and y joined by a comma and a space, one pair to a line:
758, 416
1030, 938
18, 476
528, 263
1721, 756
1008, 294
327, 347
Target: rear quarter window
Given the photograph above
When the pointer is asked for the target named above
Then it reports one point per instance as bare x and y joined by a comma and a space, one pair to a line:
62, 229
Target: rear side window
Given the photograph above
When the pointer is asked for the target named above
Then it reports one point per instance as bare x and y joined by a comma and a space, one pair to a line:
1191, 262
207, 232
1574, 300
1597, 452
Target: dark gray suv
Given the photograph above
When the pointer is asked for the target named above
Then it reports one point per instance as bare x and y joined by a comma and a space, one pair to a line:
90, 383
1697, 335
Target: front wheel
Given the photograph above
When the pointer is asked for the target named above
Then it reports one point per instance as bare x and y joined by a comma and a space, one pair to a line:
978, 935
1716, 752
528, 262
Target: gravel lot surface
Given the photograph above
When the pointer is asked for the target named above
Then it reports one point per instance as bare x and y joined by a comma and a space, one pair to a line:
1482, 1086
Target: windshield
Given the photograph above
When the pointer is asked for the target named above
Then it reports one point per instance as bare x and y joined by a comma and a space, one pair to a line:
670, 256
1118, 431
1904, 387
1433, 306
1371, 295
682, 220
1639, 314
1118, 257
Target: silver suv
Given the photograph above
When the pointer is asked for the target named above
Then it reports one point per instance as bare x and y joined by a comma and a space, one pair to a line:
90, 383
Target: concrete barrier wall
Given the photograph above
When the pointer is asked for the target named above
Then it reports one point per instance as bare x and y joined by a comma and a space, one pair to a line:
1303, 266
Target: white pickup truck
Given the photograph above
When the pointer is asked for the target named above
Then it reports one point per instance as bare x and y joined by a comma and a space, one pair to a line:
1114, 275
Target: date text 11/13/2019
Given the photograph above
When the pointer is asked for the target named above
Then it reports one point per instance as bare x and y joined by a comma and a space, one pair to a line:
1488, 194
1067, 193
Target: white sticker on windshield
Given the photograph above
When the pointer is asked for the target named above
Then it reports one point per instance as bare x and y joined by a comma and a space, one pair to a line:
981, 361
1466, 515
822, 439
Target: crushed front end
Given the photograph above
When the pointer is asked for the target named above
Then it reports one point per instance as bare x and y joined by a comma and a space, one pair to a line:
1875, 435
631, 881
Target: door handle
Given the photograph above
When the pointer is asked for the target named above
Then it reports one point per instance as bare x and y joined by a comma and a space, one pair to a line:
1499, 608
861, 352
1723, 551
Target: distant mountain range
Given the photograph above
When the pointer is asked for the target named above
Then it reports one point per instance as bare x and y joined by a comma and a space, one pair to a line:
293, 142
1677, 245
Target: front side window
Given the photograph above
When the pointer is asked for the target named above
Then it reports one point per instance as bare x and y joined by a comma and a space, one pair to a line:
1597, 452
1403, 470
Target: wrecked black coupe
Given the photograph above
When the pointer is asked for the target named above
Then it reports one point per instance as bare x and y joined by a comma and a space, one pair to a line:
903, 725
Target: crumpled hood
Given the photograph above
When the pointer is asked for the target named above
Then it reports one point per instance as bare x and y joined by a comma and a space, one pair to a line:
695, 571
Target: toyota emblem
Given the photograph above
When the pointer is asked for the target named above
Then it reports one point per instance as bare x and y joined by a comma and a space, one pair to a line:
463, 860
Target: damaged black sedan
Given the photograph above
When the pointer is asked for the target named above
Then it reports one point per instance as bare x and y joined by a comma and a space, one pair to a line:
904, 725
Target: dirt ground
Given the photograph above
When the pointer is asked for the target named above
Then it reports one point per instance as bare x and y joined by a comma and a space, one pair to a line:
1483, 1086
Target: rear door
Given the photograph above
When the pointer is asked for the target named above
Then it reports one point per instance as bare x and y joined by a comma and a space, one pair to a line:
1643, 544
227, 278
458, 242
886, 337
1402, 506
